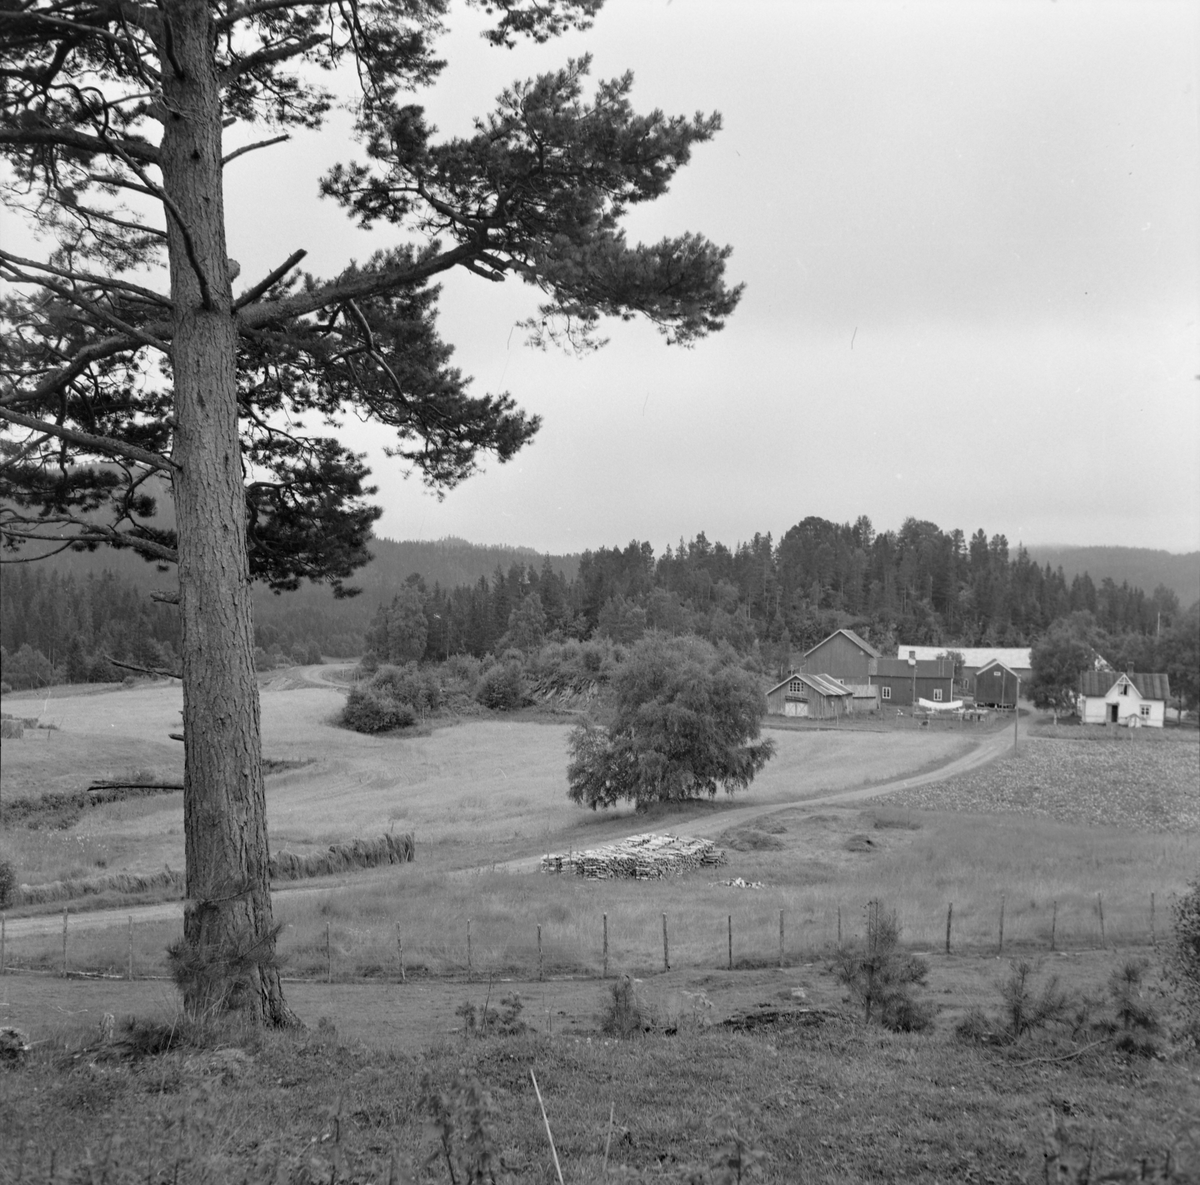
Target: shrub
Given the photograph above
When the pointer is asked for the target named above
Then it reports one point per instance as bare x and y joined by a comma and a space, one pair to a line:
485, 1021
411, 685
8, 884
1027, 1007
502, 686
623, 1015
883, 977
1182, 958
368, 710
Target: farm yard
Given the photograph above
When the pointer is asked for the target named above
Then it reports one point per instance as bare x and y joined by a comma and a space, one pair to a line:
388, 965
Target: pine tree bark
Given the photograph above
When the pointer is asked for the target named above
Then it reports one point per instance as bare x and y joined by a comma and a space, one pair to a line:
229, 936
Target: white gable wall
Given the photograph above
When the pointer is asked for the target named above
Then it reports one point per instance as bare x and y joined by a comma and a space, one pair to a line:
1097, 710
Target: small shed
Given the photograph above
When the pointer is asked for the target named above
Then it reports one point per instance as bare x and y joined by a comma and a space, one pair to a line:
815, 697
996, 685
1131, 699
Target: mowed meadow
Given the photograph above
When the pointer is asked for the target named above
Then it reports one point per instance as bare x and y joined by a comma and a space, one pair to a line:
485, 797
472, 792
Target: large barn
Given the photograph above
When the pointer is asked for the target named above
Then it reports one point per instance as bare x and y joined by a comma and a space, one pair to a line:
896, 679
975, 658
1130, 699
816, 697
849, 659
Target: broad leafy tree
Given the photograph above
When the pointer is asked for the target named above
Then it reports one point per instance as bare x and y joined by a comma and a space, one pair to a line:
1058, 659
684, 723
134, 357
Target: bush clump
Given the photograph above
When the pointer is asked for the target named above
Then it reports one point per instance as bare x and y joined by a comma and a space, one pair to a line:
1182, 959
8, 884
371, 710
502, 686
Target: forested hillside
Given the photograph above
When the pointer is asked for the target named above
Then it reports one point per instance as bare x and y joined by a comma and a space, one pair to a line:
1140, 567
771, 599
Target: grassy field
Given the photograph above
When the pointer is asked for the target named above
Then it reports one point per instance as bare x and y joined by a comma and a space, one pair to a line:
472, 792
823, 1098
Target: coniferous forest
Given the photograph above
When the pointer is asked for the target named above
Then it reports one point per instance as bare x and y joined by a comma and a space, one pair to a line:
767, 600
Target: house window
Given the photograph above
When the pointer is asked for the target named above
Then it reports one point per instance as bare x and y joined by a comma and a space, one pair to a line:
937, 693
1124, 688
1145, 710
885, 693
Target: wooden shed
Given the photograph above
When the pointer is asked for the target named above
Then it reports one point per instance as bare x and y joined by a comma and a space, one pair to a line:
815, 697
996, 685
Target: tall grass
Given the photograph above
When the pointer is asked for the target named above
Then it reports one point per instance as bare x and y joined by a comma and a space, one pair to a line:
1049, 874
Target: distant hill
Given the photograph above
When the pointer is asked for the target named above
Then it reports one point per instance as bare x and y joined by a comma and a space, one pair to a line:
1141, 567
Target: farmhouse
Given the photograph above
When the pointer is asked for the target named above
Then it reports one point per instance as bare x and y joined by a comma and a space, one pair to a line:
975, 658
896, 677
996, 685
1130, 699
818, 697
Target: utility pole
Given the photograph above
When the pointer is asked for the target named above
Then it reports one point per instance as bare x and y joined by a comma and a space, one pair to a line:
1016, 713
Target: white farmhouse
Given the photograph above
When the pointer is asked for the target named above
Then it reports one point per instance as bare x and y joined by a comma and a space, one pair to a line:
1130, 699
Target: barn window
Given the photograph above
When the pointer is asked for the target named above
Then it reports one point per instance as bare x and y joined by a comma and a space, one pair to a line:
795, 685
1145, 709
996, 674
937, 693
885, 693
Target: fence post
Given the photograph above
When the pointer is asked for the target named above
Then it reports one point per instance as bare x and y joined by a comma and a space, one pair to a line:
604, 974
1153, 938
131, 947
781, 938
1100, 904
1001, 950
64, 965
1053, 924
541, 971
949, 918
328, 957
470, 974
839, 927
400, 952
2, 939
666, 957
730, 944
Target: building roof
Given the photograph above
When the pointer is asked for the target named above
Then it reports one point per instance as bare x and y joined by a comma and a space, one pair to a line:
995, 663
1016, 658
866, 647
891, 668
1149, 686
824, 684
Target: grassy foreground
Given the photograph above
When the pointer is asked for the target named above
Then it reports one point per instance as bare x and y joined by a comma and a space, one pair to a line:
819, 1096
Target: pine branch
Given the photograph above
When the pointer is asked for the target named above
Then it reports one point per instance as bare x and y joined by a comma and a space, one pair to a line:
251, 147
99, 444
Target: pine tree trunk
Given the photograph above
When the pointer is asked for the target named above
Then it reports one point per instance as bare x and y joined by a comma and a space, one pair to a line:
227, 956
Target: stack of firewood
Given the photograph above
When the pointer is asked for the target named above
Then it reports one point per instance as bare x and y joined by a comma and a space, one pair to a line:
642, 857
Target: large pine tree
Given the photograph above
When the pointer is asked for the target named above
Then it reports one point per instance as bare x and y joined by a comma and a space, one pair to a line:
129, 359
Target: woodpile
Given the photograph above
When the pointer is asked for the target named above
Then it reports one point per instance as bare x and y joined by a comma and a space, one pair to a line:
641, 857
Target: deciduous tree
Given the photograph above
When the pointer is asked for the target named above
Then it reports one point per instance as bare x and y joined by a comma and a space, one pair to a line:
1058, 659
131, 355
683, 719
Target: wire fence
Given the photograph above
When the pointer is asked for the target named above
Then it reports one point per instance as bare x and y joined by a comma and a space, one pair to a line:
600, 946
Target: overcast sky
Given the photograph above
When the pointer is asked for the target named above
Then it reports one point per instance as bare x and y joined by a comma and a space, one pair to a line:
970, 240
